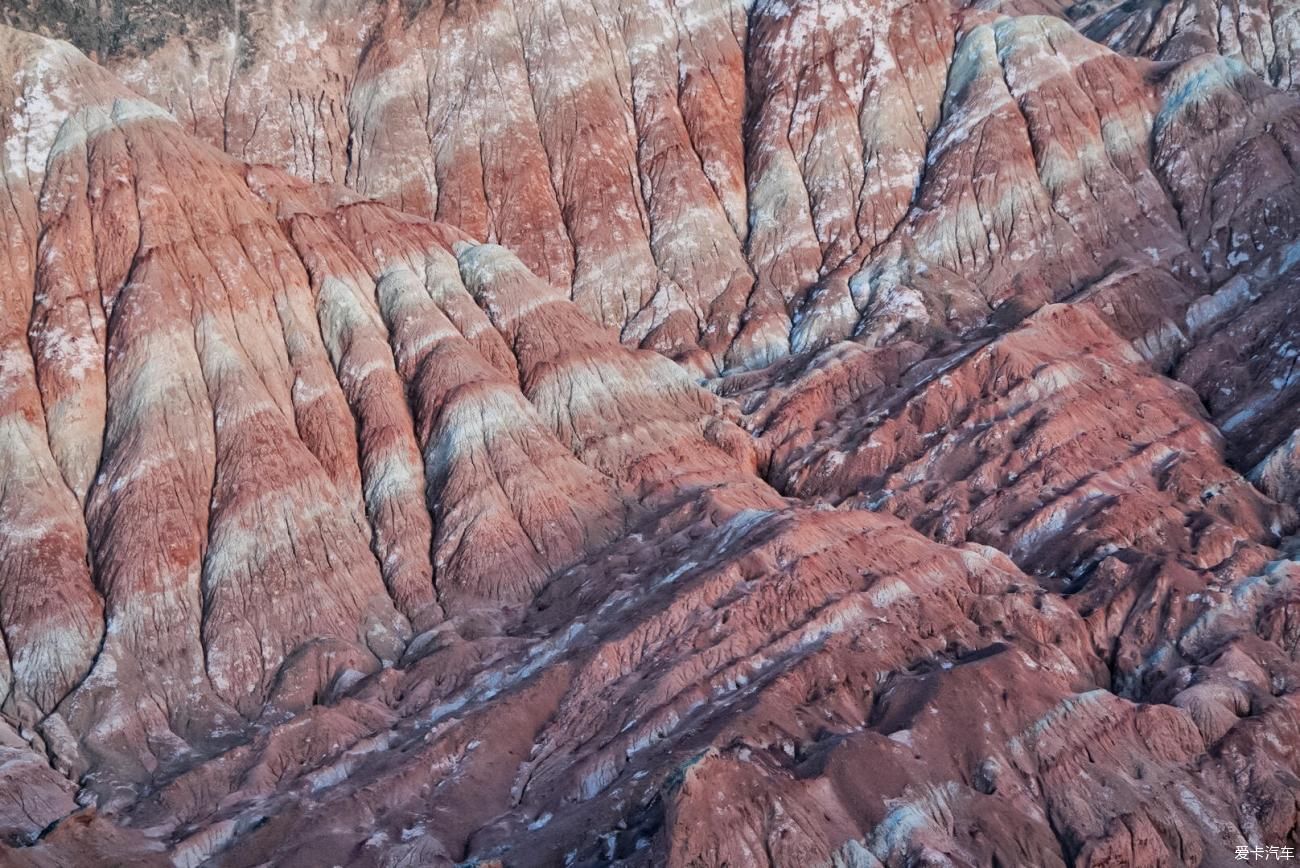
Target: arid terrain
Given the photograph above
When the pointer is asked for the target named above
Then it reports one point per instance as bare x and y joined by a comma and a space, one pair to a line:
847, 433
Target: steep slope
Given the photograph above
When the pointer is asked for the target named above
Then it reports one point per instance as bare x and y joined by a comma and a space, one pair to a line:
748, 441
759, 177
1259, 36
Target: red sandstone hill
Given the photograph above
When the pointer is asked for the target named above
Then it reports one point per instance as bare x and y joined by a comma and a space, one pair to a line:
843, 433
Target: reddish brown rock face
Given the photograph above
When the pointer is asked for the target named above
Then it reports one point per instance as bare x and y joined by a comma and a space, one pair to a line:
700, 433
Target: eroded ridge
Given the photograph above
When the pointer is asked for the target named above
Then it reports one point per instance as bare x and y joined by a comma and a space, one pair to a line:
787, 433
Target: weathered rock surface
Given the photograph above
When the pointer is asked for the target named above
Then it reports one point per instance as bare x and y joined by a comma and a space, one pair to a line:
696, 433
758, 177
1262, 37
